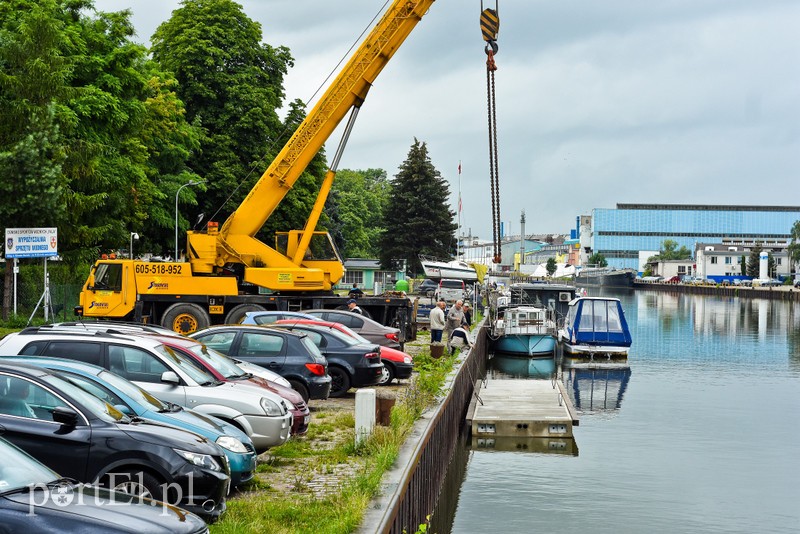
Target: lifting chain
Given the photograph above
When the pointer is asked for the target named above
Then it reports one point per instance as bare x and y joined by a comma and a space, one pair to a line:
490, 24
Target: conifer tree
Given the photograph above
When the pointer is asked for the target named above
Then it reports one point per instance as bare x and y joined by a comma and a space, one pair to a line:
417, 219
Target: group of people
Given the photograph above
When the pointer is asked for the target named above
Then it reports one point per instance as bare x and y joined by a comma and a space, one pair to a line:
453, 326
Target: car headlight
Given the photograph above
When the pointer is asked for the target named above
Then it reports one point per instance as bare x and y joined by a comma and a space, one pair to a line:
408, 359
232, 444
200, 460
271, 408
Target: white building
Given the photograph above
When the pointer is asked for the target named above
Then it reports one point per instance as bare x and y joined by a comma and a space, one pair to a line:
725, 259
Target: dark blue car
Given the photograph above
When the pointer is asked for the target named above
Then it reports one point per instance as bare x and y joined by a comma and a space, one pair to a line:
132, 400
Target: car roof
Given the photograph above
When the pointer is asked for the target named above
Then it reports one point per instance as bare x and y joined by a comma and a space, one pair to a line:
248, 327
94, 335
60, 362
22, 368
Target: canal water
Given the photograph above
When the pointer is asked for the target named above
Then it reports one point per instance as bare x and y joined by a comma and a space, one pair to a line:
702, 435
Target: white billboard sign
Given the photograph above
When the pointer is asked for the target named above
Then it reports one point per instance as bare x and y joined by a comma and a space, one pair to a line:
31, 242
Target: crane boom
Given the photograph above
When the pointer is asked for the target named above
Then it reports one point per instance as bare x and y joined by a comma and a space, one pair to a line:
236, 242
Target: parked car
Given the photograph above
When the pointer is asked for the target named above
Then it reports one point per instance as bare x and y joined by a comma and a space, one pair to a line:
351, 363
133, 401
451, 290
270, 316
767, 283
673, 280
170, 376
68, 429
428, 288
121, 327
33, 498
294, 356
396, 363
370, 329
223, 368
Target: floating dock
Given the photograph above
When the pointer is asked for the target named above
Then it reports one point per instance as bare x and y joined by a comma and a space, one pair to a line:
521, 408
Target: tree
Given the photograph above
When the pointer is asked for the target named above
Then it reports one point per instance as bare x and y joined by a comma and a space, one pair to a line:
744, 265
670, 251
598, 260
753, 262
551, 266
794, 247
231, 85
355, 210
417, 219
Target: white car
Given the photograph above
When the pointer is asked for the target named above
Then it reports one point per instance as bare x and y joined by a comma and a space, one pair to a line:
262, 415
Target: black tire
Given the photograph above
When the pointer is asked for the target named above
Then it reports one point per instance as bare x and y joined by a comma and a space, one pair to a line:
185, 318
340, 381
135, 482
236, 315
301, 389
388, 374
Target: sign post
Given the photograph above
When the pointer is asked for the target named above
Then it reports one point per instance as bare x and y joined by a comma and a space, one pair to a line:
32, 243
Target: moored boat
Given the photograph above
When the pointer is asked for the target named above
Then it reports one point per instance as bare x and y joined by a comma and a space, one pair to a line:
455, 269
605, 276
524, 331
595, 333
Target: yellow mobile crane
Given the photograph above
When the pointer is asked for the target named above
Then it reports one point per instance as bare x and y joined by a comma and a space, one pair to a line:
228, 267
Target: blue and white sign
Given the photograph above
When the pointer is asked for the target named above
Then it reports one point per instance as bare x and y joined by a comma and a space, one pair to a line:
31, 242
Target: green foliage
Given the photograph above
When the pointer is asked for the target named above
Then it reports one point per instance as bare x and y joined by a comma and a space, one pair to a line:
551, 266
232, 85
794, 246
598, 260
355, 211
670, 251
417, 217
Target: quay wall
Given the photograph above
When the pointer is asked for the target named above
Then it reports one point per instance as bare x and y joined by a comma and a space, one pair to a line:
411, 489
787, 293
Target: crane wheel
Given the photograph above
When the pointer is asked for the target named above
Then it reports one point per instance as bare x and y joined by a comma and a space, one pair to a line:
236, 315
185, 318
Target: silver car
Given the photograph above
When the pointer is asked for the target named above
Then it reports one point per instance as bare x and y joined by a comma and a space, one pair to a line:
260, 414
368, 328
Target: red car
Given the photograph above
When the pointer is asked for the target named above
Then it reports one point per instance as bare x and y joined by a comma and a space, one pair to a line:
396, 363
224, 369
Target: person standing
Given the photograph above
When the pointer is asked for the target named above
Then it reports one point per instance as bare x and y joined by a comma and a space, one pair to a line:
352, 306
454, 318
437, 322
355, 291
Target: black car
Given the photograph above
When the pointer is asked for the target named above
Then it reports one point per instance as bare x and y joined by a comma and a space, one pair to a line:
35, 499
292, 355
82, 437
351, 363
428, 287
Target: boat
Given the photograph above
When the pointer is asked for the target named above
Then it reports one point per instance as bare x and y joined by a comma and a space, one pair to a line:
455, 269
525, 322
595, 333
605, 276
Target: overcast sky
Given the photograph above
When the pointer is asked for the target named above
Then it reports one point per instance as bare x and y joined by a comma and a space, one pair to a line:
598, 102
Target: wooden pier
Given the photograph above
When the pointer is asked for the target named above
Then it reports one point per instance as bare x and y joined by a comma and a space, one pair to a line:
521, 408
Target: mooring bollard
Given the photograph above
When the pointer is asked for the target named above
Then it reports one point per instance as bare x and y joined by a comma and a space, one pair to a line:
365, 414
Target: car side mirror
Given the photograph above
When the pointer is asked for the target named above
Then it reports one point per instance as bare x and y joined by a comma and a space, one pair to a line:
65, 416
170, 378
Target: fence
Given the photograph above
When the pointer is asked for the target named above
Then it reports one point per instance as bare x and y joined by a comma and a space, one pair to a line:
64, 293
430, 449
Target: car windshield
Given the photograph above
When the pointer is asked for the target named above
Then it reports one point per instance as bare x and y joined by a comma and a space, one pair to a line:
100, 409
132, 390
18, 470
187, 366
218, 361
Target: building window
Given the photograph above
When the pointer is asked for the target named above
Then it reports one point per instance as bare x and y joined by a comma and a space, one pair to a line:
778, 261
713, 260
728, 260
681, 269
354, 277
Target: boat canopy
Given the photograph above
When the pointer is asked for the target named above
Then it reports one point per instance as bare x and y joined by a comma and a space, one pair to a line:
597, 321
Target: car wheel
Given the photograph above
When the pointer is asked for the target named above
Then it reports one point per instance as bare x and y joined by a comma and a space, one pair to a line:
301, 389
185, 318
137, 483
340, 381
387, 375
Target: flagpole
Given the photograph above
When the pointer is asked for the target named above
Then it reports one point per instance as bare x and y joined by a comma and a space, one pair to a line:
458, 235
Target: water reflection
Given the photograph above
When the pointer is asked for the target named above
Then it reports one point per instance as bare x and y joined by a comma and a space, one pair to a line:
566, 446
596, 390
505, 366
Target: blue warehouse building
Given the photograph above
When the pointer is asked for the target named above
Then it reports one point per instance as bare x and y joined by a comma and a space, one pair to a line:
620, 234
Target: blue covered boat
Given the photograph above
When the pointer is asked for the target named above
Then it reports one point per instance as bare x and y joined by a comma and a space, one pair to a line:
595, 333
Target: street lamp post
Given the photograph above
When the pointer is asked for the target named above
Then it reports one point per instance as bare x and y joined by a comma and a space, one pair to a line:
135, 236
190, 182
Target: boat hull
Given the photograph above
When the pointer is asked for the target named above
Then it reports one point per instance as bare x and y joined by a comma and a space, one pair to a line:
527, 345
437, 270
594, 356
619, 278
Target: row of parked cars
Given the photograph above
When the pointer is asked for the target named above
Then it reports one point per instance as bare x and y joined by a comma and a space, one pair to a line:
140, 409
